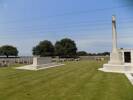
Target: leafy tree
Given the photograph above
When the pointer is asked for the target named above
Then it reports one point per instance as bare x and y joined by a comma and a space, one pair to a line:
44, 48
65, 48
82, 53
8, 50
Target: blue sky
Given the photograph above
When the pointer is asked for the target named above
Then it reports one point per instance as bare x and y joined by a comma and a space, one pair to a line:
23, 23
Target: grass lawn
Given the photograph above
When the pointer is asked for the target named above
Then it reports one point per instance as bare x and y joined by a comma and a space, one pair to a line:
74, 81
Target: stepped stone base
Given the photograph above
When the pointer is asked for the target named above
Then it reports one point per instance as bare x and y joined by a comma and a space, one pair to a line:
117, 68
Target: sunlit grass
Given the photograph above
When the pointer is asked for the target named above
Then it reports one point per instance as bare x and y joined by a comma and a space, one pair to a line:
74, 81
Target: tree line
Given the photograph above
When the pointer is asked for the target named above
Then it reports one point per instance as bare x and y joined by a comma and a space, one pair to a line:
84, 53
65, 48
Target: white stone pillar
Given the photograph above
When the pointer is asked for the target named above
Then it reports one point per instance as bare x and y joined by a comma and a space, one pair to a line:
114, 35
116, 54
132, 57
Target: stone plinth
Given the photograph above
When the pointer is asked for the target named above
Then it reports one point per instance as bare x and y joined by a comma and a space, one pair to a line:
116, 58
117, 68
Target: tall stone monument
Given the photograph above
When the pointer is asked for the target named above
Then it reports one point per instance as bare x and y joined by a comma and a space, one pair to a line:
115, 56
121, 60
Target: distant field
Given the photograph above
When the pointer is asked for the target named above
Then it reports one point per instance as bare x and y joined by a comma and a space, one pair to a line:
74, 81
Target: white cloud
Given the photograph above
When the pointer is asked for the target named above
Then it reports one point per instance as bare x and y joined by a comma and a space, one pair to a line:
94, 44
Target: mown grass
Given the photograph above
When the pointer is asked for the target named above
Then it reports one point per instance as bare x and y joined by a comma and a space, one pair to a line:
74, 81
